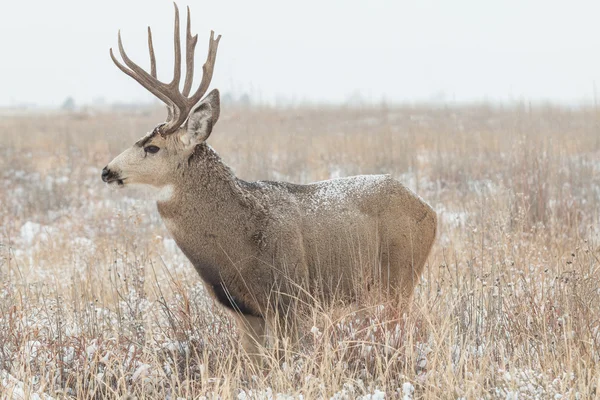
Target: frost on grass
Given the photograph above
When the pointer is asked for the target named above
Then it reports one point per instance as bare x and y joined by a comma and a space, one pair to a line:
96, 301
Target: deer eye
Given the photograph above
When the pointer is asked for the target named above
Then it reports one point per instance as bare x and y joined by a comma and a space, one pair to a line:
151, 149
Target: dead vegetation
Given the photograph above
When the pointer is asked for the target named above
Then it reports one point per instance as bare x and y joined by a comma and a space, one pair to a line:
97, 302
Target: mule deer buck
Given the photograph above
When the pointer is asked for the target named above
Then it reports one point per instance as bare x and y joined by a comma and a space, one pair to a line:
259, 245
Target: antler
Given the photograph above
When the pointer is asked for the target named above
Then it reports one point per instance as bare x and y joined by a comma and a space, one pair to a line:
178, 103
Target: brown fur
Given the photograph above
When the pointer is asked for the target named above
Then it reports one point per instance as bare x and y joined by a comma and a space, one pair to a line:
261, 246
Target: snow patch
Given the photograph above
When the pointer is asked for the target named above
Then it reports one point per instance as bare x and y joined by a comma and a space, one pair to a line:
29, 231
407, 391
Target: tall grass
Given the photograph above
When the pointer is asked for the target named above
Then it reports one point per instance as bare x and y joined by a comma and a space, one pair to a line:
97, 302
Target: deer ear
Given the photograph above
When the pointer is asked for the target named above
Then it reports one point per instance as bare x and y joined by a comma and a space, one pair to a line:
202, 118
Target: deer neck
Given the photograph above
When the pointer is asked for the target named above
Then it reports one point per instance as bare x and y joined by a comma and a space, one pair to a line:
210, 213
204, 187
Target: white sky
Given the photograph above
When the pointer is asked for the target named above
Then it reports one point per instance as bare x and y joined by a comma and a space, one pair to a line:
457, 50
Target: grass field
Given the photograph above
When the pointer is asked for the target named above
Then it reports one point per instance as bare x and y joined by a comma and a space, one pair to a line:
97, 301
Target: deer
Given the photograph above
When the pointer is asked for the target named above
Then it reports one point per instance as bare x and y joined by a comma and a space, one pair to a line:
260, 246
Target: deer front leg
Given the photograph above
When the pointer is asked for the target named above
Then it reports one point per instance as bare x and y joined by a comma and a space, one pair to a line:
252, 334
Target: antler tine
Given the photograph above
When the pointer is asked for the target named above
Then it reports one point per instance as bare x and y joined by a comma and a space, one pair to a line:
190, 48
152, 58
177, 38
207, 68
137, 73
178, 103
185, 104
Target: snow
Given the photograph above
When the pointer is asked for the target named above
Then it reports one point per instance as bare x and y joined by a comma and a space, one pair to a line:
31, 349
407, 391
333, 192
141, 372
452, 218
15, 389
29, 231
266, 394
376, 395
91, 349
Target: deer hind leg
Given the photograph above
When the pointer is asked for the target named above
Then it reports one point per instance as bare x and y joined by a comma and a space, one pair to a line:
401, 267
253, 335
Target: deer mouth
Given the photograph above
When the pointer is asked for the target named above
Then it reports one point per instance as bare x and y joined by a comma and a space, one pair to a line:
119, 182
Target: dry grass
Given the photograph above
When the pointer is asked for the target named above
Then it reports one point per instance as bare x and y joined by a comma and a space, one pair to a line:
97, 302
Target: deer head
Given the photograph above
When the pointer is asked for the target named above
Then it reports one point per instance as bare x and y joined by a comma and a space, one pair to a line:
190, 119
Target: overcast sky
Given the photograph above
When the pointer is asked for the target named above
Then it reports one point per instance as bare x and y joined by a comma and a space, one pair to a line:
457, 50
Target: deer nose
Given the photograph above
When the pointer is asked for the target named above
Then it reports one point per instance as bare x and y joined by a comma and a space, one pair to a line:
105, 174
